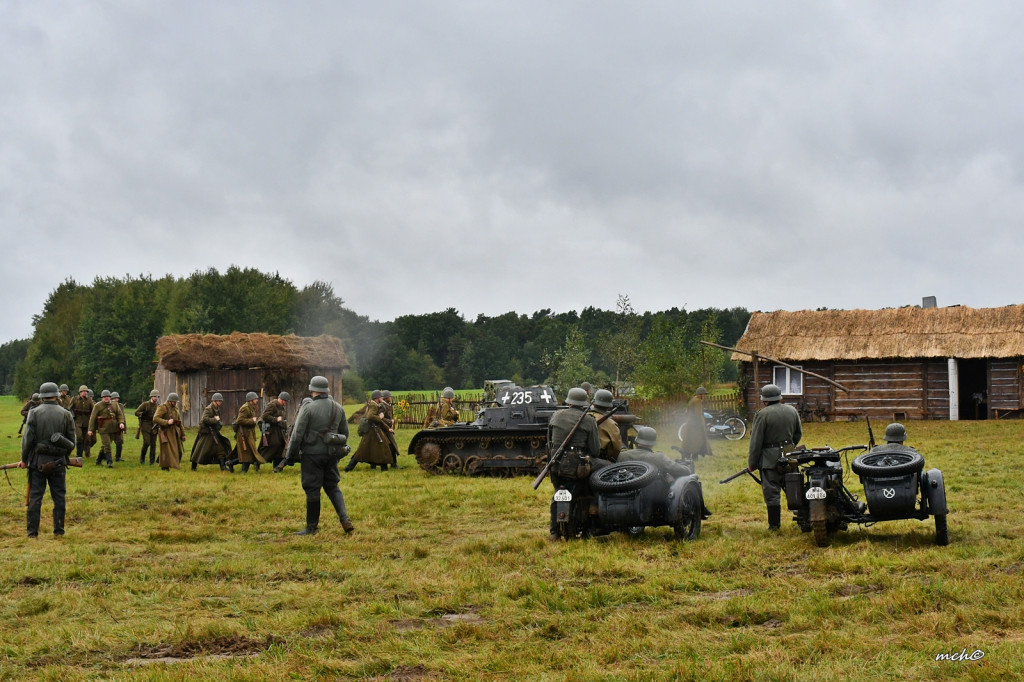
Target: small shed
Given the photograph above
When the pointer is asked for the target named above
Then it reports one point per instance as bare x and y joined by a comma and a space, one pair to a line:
195, 366
898, 363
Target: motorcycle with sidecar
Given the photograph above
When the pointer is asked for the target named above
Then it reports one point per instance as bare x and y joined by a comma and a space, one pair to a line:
895, 486
627, 497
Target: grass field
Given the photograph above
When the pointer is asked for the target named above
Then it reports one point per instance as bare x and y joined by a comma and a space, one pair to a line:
195, 575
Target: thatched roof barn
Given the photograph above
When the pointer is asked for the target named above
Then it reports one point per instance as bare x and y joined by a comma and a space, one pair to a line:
903, 363
195, 366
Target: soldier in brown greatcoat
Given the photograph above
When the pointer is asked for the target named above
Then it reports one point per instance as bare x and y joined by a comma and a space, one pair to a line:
104, 420
81, 407
210, 446
445, 413
374, 448
171, 432
388, 415
694, 433
274, 429
147, 430
118, 438
246, 444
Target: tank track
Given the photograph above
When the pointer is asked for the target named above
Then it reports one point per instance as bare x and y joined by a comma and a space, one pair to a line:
504, 455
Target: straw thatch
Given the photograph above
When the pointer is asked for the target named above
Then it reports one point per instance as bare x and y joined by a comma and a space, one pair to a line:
912, 332
186, 352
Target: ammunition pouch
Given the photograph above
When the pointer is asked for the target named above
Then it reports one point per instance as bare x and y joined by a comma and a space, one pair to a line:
573, 464
336, 444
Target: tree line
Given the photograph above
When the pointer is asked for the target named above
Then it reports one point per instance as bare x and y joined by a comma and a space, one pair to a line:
103, 335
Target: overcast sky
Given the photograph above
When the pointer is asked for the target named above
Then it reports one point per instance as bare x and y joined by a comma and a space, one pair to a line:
518, 155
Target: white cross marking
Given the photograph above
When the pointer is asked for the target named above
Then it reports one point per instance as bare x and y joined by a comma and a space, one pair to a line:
546, 396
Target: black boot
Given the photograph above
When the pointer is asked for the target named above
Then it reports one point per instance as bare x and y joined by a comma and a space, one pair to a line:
117, 454
312, 517
33, 522
338, 502
245, 467
350, 466
774, 517
195, 465
142, 455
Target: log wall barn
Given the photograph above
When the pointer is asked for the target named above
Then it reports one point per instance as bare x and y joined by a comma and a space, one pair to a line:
195, 366
904, 363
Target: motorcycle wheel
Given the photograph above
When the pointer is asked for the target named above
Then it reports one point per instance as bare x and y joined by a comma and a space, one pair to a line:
819, 523
941, 531
622, 477
886, 464
737, 428
687, 528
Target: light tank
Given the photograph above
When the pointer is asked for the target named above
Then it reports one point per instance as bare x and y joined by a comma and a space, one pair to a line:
507, 438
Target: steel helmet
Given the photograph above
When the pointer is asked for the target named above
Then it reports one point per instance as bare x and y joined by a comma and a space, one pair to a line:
154, 393
251, 395
48, 390
576, 396
64, 387
895, 433
105, 394
771, 393
646, 436
701, 391
83, 387
448, 392
115, 394
375, 395
603, 399
215, 397
587, 386
319, 384
283, 395
35, 397
172, 397
385, 393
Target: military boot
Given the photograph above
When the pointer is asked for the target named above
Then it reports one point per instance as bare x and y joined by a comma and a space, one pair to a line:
338, 502
33, 522
142, 456
117, 455
195, 465
245, 467
774, 517
312, 518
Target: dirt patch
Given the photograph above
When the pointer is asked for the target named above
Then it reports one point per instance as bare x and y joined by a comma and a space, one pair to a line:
1013, 568
851, 590
727, 594
318, 631
31, 580
408, 673
772, 623
450, 619
214, 649
407, 624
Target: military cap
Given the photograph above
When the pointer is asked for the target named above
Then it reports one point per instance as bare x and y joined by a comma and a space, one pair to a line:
448, 392
115, 394
251, 395
771, 393
172, 397
385, 393
375, 395
105, 394
64, 387
283, 395
319, 384
215, 397
83, 387
154, 393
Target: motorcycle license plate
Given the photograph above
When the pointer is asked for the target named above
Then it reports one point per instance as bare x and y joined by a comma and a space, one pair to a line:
815, 494
563, 495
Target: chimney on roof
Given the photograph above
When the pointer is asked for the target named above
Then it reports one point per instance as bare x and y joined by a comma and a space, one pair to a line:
929, 302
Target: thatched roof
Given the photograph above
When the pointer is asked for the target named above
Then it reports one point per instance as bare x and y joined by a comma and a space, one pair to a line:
911, 332
184, 352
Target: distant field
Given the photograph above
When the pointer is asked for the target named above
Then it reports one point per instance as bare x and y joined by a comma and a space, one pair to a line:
195, 575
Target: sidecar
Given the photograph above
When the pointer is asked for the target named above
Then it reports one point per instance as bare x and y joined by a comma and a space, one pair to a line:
629, 496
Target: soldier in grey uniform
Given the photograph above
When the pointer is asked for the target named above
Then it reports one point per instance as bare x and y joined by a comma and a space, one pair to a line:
646, 439
319, 468
608, 431
895, 434
776, 426
46, 459
580, 457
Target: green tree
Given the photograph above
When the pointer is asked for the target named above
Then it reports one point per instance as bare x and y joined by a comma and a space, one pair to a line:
52, 354
12, 354
569, 364
620, 345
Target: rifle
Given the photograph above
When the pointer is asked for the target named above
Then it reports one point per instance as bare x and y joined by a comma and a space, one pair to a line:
739, 473
23, 420
558, 453
138, 431
71, 462
871, 434
264, 428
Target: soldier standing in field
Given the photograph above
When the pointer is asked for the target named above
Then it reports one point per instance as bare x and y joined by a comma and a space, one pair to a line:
313, 425
104, 420
210, 446
34, 401
45, 459
115, 399
170, 432
275, 429
65, 399
388, 416
775, 427
81, 407
147, 430
608, 431
246, 443
695, 432
374, 448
